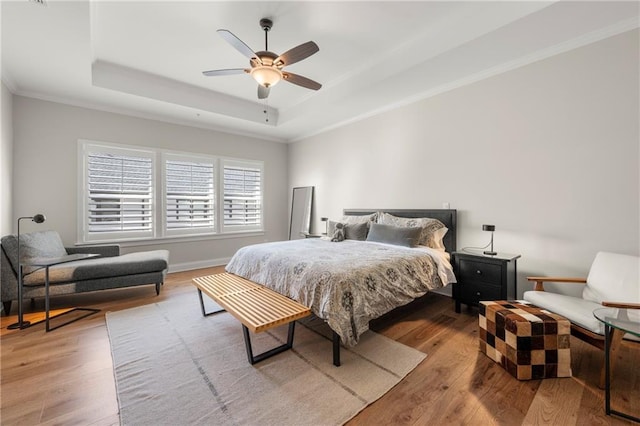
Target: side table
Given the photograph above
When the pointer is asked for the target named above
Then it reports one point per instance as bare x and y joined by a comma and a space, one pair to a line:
47, 263
484, 277
616, 320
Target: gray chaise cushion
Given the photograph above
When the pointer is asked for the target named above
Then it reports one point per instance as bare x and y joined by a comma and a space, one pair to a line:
102, 267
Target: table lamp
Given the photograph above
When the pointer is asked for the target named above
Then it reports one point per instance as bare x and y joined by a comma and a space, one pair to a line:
326, 224
490, 228
38, 218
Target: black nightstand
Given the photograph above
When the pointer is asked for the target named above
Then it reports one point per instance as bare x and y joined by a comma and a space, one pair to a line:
483, 277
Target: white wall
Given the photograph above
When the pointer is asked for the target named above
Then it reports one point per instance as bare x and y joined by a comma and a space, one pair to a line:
6, 161
46, 172
549, 153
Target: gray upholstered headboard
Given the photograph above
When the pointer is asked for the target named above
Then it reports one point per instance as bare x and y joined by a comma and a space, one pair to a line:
446, 216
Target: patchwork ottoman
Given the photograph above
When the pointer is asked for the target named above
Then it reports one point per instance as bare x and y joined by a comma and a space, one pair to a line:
528, 342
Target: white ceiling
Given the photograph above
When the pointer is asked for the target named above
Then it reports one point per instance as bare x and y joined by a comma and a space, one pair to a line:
146, 58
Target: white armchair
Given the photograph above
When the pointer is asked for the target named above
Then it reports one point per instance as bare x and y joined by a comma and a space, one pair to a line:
613, 280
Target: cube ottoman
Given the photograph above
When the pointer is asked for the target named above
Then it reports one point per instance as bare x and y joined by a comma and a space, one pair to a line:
528, 342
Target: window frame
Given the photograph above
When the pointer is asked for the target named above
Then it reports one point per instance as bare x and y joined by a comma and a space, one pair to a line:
97, 147
246, 164
159, 200
188, 158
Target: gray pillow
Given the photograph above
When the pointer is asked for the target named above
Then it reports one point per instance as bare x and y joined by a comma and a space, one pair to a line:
396, 235
356, 231
34, 244
45, 244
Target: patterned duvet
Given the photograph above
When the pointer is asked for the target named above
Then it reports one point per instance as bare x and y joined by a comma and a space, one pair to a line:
347, 283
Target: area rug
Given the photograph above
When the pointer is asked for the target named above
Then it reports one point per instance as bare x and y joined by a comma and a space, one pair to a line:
175, 367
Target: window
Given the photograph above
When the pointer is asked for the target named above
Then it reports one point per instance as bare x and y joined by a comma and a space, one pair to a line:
118, 193
130, 193
242, 195
189, 195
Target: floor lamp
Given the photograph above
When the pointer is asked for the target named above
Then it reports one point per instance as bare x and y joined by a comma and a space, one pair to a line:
39, 218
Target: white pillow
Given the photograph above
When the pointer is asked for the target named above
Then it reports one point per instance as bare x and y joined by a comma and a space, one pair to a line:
359, 219
433, 231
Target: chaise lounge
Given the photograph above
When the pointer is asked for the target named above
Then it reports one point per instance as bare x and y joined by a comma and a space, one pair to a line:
110, 270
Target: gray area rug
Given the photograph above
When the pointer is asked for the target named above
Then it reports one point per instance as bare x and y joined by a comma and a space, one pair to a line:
175, 367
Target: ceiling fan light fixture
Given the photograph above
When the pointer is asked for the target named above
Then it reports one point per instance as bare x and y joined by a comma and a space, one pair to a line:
266, 66
266, 76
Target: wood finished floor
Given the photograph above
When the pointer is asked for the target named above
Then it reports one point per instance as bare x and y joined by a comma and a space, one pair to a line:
66, 376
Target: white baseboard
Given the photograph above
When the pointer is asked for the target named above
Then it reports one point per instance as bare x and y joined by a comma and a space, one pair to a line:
189, 266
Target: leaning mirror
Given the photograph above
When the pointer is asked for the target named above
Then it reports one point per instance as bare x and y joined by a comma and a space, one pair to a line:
300, 212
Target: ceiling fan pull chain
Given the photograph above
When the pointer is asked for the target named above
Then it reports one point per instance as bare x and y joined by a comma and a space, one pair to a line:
266, 110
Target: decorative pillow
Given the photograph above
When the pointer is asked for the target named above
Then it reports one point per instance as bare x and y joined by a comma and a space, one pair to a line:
32, 245
41, 244
433, 231
356, 231
351, 220
367, 218
396, 235
338, 234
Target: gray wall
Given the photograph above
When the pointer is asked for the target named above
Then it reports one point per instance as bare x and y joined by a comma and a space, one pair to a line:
548, 153
6, 161
46, 172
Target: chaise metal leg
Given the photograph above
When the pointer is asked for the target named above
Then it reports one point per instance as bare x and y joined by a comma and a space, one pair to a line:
268, 354
7, 307
204, 313
336, 349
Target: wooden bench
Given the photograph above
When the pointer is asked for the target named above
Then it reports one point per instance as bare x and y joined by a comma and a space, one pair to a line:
255, 306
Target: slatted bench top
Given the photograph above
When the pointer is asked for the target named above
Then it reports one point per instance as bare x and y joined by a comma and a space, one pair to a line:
255, 306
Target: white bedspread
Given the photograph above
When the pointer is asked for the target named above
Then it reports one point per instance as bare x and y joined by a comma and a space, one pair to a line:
347, 283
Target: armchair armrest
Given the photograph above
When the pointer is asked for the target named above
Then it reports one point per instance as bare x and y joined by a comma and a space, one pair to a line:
104, 251
621, 305
540, 280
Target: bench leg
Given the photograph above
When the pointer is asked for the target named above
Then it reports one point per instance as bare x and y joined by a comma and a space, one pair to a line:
206, 314
260, 357
336, 349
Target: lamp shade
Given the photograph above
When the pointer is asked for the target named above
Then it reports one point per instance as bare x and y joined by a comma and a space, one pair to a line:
266, 76
489, 228
39, 218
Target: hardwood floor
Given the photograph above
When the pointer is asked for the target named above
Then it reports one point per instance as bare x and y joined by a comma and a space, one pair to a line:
66, 376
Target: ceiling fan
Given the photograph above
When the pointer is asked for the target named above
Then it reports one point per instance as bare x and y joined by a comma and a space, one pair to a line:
267, 67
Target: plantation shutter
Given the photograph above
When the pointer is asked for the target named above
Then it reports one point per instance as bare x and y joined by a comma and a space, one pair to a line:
189, 196
119, 194
242, 195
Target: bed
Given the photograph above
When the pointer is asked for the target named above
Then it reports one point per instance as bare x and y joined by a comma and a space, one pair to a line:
351, 282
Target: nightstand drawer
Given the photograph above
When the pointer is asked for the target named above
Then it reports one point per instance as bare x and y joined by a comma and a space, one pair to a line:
471, 270
474, 292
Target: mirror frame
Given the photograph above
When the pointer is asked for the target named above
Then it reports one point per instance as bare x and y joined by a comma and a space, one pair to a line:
301, 205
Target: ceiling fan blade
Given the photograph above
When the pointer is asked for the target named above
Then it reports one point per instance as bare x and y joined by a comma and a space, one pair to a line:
230, 71
298, 53
301, 81
263, 92
237, 43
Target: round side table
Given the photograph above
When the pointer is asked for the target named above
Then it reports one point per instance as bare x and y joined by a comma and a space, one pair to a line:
616, 320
